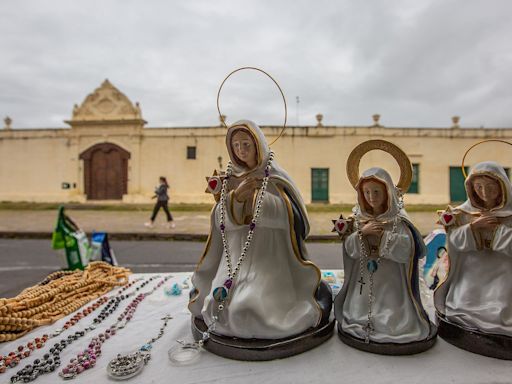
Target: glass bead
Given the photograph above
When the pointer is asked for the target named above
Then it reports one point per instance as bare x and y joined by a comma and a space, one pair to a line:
372, 266
220, 294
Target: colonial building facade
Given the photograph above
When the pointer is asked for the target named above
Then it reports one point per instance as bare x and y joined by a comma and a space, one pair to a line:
108, 154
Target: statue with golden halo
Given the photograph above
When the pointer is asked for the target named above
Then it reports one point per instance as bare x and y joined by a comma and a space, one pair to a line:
379, 309
474, 303
256, 295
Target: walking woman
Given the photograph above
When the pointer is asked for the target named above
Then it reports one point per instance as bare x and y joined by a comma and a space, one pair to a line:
162, 201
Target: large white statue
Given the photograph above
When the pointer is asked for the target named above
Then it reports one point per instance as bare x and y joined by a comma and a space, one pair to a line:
379, 307
474, 304
254, 280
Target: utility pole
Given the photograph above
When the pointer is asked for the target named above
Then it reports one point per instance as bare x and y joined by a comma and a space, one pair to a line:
297, 99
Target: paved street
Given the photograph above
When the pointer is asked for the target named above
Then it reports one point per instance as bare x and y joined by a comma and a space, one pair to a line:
25, 262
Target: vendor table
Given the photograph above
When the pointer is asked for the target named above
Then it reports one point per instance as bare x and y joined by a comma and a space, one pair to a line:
331, 362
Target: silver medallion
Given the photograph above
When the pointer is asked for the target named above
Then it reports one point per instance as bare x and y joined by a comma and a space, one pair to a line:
124, 367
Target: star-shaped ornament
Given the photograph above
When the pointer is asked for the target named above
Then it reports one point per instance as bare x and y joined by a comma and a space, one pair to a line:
214, 183
340, 225
447, 218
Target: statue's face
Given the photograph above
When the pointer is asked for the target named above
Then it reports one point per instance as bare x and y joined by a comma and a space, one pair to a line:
488, 189
244, 148
375, 194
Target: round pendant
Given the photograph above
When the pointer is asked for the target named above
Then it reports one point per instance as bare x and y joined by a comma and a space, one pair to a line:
184, 354
124, 367
220, 294
372, 266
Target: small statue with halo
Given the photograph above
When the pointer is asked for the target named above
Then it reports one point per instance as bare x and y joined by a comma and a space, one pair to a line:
474, 303
379, 309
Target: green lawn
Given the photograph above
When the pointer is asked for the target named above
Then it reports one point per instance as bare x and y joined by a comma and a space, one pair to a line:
5, 205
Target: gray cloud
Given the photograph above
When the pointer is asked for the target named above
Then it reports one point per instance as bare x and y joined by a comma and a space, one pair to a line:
415, 63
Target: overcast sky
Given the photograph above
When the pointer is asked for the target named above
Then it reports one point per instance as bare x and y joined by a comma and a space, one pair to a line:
417, 63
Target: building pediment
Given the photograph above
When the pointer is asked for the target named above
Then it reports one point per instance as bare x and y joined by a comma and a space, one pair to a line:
106, 105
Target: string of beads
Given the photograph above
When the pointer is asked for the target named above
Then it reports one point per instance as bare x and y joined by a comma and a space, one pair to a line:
58, 295
23, 351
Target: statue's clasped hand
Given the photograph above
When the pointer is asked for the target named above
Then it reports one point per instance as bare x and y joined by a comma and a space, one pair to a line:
485, 222
373, 228
245, 190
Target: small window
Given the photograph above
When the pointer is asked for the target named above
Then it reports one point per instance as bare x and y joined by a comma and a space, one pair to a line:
414, 188
191, 152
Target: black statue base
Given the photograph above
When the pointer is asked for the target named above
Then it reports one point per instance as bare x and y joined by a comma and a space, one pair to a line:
395, 349
486, 344
262, 349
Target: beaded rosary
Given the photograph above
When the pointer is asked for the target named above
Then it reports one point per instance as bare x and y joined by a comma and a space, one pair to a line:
87, 358
372, 265
126, 366
23, 351
187, 352
58, 295
220, 294
51, 360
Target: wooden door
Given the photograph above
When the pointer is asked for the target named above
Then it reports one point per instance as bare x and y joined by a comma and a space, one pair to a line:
105, 171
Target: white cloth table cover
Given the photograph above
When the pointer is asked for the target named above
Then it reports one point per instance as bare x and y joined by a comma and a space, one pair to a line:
331, 362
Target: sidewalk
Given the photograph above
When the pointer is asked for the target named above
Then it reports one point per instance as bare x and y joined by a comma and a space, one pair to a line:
129, 225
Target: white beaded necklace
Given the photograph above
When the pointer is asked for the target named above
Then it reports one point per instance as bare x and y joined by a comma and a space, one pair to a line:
185, 353
220, 294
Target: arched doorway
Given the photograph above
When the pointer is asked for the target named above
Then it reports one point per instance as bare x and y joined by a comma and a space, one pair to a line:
105, 171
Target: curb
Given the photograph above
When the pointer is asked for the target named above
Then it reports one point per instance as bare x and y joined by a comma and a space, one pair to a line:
111, 236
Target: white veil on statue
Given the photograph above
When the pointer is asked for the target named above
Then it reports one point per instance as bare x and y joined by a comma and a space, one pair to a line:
263, 152
492, 169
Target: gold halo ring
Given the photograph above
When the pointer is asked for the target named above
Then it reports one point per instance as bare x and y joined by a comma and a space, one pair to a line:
271, 78
401, 158
473, 146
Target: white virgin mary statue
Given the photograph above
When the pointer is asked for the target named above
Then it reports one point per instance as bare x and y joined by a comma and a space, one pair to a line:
477, 294
277, 292
380, 299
